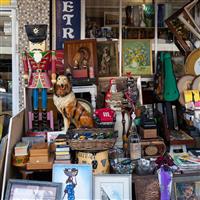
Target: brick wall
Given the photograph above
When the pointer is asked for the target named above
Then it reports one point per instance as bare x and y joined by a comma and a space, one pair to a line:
29, 12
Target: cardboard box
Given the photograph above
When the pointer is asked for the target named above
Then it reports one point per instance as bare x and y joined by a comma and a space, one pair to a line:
39, 149
148, 133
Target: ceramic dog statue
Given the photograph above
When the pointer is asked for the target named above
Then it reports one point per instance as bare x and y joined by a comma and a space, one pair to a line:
71, 109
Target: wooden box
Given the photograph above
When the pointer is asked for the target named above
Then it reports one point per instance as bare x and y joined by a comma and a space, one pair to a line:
38, 159
148, 133
152, 147
80, 73
42, 165
39, 149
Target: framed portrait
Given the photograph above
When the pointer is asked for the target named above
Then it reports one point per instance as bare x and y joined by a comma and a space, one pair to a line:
107, 58
137, 57
26, 189
112, 186
80, 58
186, 187
76, 180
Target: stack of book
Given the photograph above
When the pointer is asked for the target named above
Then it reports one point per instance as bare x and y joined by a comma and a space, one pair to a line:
21, 149
187, 162
62, 150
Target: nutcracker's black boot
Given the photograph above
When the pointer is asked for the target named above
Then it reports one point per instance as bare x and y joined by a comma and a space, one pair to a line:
35, 120
44, 121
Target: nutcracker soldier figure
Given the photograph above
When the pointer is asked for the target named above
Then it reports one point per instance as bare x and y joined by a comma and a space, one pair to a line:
38, 62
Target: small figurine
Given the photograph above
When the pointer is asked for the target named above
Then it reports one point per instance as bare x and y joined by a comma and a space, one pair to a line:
36, 67
81, 58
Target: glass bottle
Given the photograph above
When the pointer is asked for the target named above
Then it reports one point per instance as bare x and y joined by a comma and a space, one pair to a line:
134, 145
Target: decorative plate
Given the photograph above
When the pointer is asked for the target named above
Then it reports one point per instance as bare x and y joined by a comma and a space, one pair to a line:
196, 83
184, 83
192, 64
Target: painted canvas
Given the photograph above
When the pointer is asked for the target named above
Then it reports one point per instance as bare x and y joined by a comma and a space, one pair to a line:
107, 57
76, 180
137, 57
112, 187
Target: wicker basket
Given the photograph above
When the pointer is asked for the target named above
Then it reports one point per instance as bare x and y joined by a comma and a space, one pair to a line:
91, 144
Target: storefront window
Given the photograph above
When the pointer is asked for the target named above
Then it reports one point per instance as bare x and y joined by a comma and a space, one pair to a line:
5, 62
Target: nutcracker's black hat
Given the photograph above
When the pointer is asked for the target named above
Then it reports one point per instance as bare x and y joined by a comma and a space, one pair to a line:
36, 33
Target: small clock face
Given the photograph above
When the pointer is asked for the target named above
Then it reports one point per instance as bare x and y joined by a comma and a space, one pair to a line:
151, 150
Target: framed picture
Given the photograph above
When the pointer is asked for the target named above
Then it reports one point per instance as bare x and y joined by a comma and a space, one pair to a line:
112, 186
183, 27
186, 187
137, 57
26, 189
51, 136
107, 58
112, 19
76, 180
80, 57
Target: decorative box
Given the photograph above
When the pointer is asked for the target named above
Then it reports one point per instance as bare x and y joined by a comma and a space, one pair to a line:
148, 133
152, 147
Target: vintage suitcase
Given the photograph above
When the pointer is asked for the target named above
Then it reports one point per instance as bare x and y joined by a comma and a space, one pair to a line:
153, 147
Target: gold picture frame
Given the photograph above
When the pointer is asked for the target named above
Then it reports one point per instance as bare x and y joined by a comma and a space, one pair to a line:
137, 57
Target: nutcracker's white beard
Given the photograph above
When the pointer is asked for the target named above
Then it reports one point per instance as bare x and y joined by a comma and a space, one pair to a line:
37, 56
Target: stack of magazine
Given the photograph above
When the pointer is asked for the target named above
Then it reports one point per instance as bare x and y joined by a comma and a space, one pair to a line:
187, 162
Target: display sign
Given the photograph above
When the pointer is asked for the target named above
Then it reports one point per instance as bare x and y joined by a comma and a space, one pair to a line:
67, 21
5, 2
